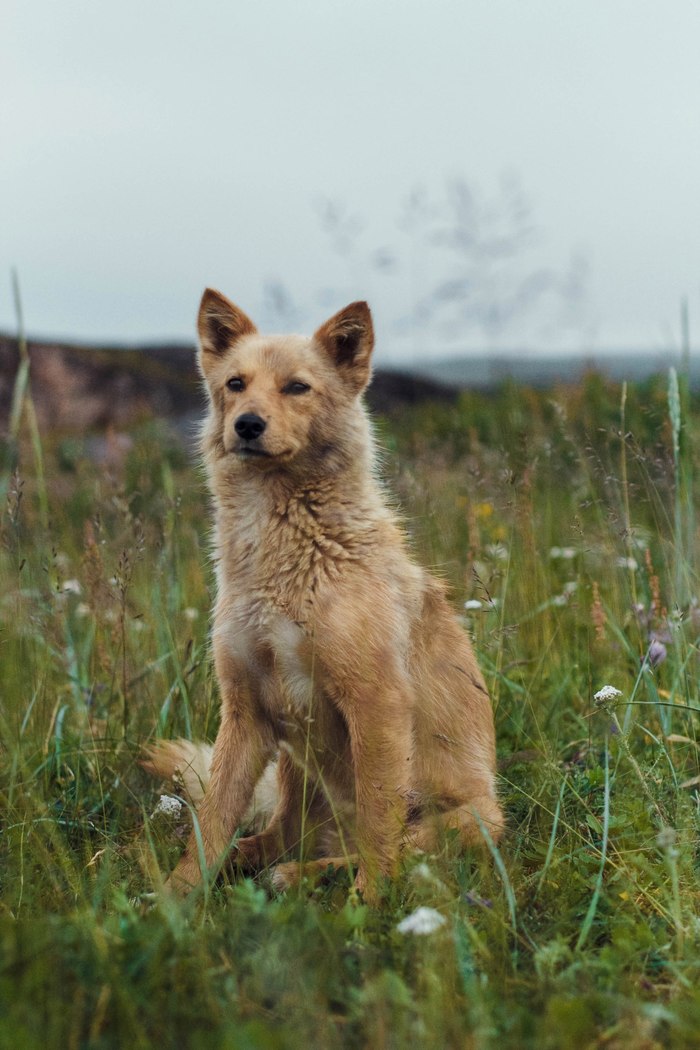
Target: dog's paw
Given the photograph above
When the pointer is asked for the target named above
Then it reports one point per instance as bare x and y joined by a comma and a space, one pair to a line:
183, 878
285, 876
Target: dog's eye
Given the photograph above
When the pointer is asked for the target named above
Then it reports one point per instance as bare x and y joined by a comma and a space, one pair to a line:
236, 384
296, 387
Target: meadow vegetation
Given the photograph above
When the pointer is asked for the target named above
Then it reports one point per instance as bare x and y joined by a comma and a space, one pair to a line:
564, 520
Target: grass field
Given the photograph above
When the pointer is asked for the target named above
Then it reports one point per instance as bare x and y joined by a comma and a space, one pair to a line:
565, 520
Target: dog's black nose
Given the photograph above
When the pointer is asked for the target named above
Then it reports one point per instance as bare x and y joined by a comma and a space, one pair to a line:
249, 426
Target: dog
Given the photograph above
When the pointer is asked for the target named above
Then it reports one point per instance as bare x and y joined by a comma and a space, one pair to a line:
354, 718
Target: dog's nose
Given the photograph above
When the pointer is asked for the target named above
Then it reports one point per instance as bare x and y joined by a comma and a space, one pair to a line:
249, 426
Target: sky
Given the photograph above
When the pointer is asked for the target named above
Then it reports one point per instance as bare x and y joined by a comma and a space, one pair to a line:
488, 174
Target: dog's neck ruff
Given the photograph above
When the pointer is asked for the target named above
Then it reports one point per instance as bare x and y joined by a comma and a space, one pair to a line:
284, 543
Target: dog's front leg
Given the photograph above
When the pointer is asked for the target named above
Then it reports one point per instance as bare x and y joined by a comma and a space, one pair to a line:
379, 722
242, 748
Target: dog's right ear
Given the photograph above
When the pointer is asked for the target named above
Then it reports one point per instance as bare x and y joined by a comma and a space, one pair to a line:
220, 323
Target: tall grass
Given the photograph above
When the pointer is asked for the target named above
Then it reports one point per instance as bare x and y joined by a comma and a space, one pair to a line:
579, 930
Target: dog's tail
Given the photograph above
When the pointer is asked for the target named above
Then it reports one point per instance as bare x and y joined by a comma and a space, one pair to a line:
185, 763
188, 764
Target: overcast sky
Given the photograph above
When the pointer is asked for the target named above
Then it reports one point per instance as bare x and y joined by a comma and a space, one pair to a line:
487, 173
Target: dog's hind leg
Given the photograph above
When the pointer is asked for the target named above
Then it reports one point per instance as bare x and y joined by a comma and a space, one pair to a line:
293, 823
468, 820
286, 876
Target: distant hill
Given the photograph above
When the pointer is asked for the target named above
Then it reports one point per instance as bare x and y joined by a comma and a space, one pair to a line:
83, 388
485, 371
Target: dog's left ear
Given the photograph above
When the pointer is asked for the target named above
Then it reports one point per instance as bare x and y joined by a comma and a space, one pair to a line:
348, 339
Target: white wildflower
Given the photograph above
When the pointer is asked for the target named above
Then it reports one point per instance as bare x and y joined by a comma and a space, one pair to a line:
570, 586
565, 553
606, 694
168, 806
422, 921
560, 599
473, 603
190, 614
666, 838
422, 873
497, 551
627, 563
83, 609
71, 587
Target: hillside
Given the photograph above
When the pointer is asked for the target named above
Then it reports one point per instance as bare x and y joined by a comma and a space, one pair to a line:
79, 388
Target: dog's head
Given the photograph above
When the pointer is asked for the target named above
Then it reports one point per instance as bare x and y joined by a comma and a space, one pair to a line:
277, 400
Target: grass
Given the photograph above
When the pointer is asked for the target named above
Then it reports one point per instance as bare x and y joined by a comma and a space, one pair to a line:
565, 516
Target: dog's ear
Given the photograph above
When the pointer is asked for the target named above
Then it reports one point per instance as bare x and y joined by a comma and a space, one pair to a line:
220, 323
348, 339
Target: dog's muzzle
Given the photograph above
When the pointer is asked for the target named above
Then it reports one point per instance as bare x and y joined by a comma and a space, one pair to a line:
249, 426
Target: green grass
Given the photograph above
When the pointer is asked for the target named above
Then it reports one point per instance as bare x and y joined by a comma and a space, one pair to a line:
560, 512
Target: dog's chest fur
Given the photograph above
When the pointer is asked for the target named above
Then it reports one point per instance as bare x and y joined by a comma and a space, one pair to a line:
275, 561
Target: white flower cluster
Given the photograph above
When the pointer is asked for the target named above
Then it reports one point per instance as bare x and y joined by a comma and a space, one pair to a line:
168, 806
608, 692
474, 604
422, 921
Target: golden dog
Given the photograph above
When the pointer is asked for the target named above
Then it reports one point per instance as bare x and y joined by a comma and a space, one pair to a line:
344, 675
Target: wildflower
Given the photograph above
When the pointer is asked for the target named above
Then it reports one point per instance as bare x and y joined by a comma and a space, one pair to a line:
422, 921
422, 873
71, 587
606, 696
497, 551
168, 806
563, 599
83, 609
190, 614
666, 839
473, 603
656, 653
627, 563
484, 510
564, 553
473, 898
